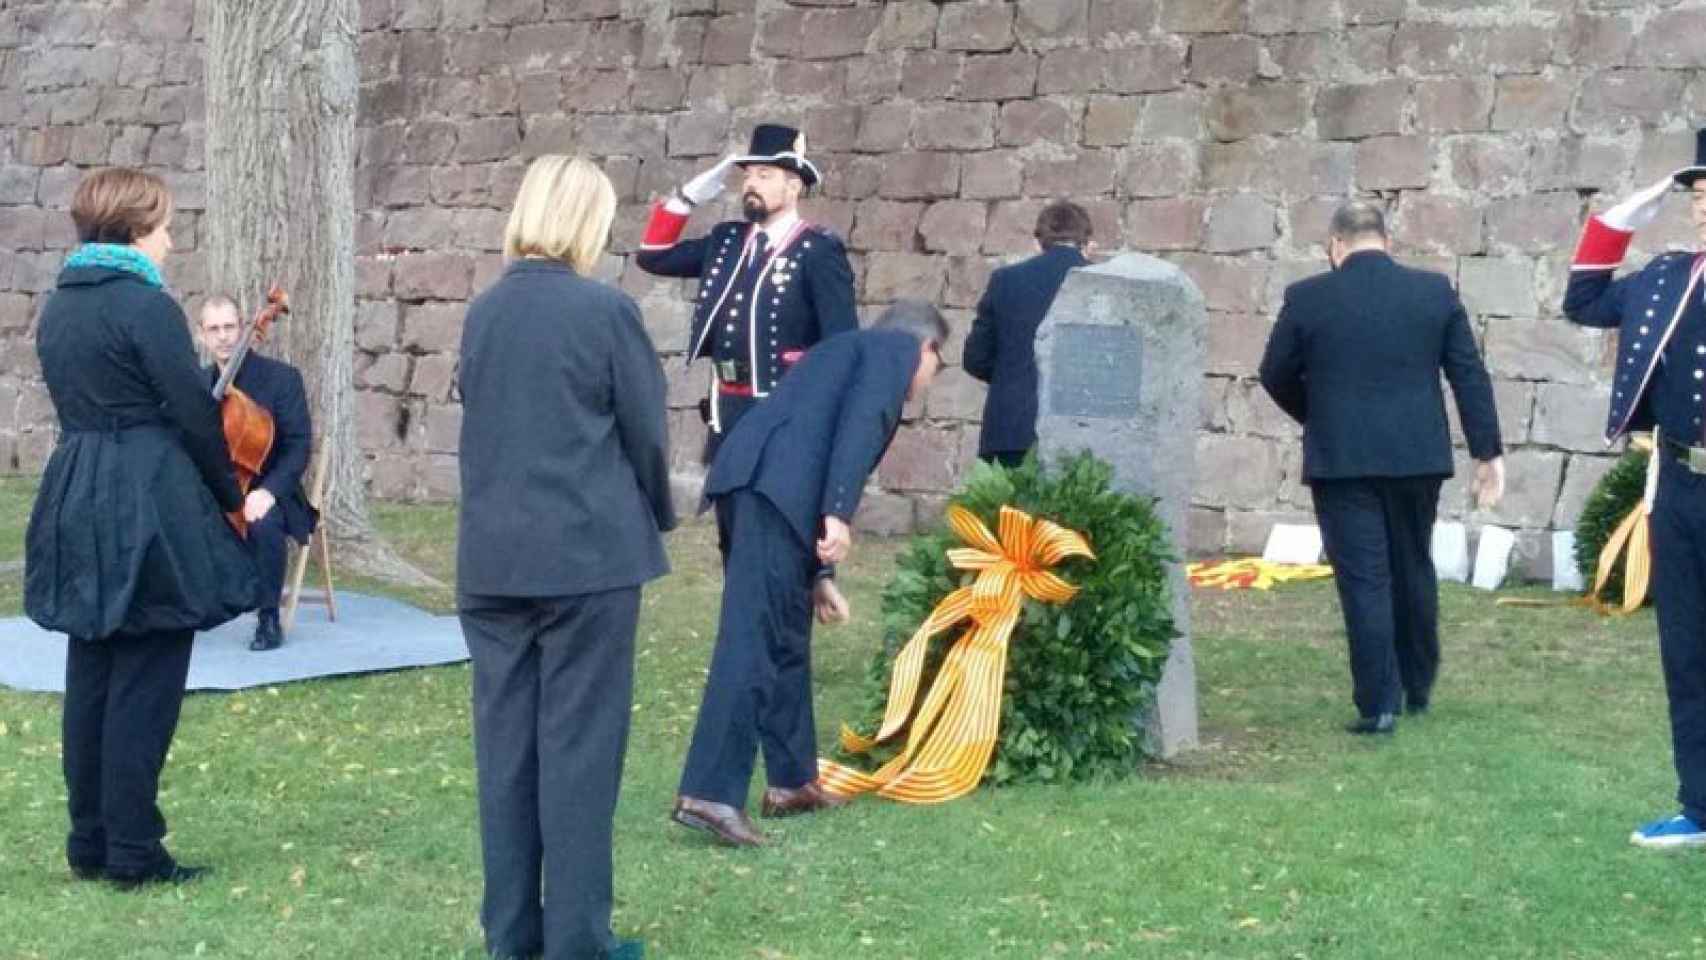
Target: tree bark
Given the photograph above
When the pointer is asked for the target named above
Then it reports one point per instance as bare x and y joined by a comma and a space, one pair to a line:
282, 88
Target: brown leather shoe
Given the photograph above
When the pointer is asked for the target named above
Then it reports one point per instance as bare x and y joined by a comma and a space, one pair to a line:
785, 802
726, 823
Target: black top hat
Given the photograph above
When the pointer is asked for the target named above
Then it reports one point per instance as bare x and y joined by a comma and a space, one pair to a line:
1687, 175
779, 146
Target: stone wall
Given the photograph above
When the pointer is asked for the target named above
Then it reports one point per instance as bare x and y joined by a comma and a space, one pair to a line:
1216, 133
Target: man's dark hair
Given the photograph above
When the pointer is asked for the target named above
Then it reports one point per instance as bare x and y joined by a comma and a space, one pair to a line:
1063, 222
917, 318
1358, 220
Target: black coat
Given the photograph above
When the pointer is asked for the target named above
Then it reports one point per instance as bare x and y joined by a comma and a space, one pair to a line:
1001, 350
564, 452
805, 294
277, 387
810, 448
1356, 358
127, 534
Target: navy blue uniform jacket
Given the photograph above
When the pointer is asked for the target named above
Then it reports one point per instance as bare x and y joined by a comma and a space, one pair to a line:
1356, 358
1001, 350
811, 447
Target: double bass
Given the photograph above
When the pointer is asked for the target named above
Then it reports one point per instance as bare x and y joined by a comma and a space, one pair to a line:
249, 428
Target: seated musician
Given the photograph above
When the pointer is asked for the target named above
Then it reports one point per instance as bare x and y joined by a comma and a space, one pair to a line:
275, 507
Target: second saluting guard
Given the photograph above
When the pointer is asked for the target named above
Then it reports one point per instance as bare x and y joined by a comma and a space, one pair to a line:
275, 508
1659, 383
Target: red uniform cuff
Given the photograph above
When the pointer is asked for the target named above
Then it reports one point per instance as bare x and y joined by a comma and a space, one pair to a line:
663, 229
1601, 247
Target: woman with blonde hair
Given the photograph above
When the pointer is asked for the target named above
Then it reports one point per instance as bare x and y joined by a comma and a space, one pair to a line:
565, 491
127, 552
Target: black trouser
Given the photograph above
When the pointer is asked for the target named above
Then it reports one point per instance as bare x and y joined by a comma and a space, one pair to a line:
1679, 590
1006, 458
1378, 534
759, 692
553, 689
268, 540
730, 408
122, 698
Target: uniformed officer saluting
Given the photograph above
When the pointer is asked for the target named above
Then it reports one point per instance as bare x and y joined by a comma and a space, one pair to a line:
769, 288
1660, 379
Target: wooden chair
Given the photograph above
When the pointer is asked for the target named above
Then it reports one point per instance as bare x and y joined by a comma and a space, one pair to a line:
317, 544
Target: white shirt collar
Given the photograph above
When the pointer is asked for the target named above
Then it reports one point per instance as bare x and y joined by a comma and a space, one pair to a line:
779, 230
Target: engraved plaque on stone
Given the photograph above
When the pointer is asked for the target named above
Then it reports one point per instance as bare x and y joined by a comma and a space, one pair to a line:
1120, 361
1096, 371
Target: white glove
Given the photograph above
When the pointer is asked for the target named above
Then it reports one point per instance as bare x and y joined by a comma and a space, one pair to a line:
707, 185
1639, 210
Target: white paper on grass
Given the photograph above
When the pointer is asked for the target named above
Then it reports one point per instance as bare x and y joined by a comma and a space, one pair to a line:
1493, 557
1566, 576
1293, 543
1451, 552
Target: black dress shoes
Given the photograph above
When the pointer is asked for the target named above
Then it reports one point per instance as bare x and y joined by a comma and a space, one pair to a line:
268, 634
1416, 706
167, 871
1384, 724
728, 824
88, 871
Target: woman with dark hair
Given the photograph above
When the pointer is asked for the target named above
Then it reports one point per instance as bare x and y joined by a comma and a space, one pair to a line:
127, 552
565, 490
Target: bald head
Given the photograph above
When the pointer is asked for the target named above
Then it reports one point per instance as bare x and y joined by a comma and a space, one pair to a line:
1358, 225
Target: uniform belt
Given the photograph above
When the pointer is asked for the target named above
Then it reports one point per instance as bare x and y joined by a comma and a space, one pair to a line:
732, 373
1694, 458
735, 389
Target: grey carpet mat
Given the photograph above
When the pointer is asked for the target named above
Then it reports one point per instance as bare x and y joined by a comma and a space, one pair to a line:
371, 633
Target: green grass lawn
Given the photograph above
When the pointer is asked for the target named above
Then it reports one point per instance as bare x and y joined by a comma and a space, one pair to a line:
340, 818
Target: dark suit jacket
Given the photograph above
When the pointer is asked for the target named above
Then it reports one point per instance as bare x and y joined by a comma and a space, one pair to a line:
1356, 357
564, 450
277, 387
810, 448
1001, 350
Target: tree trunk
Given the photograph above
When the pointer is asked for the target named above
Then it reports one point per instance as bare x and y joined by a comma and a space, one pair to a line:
282, 86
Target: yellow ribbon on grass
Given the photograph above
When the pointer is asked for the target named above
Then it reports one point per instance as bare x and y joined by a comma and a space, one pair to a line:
952, 737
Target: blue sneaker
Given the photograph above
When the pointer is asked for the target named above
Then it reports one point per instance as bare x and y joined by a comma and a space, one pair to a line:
1671, 833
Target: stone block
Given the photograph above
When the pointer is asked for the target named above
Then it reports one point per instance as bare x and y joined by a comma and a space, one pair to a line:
1024, 122
420, 228
1304, 56
1394, 162
920, 176
1581, 475
1205, 533
376, 325
1159, 170
908, 24
999, 76
432, 327
1293, 16
953, 226
1489, 166
432, 276
1202, 16
930, 74
1543, 350
1353, 111
1239, 223
1012, 227
955, 395
885, 225
698, 133
1671, 39
1174, 223
891, 276
1119, 22
1533, 479
728, 40
1247, 110
954, 126
1530, 102
1519, 48
1229, 284
1147, 68
1497, 286
1533, 223
874, 79
443, 427
1571, 416
388, 372
1042, 23
1224, 58
1070, 71
1456, 105
1077, 174
1236, 342
921, 458
1430, 223
883, 514
1621, 100
626, 135
975, 25
883, 127
1580, 163
1598, 41
1178, 114
433, 377
1247, 470
1247, 531
736, 85
967, 277
1110, 121
378, 420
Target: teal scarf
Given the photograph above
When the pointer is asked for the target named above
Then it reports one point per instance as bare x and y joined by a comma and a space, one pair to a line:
116, 256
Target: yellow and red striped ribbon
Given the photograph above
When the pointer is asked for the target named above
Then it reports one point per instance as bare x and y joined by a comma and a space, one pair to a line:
952, 736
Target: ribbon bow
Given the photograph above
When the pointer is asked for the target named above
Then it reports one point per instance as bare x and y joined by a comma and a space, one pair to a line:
953, 735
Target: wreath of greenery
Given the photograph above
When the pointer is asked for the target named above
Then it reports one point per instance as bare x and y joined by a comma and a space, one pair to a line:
1613, 497
1081, 675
